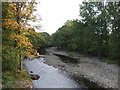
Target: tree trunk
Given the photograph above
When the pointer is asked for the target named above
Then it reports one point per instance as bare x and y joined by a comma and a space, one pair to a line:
21, 66
18, 19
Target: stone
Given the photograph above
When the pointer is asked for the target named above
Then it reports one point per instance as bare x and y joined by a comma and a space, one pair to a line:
34, 77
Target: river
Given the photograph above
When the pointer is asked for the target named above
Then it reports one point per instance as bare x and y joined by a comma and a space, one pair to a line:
50, 77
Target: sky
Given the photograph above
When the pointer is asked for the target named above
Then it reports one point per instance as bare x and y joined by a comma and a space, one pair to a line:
54, 13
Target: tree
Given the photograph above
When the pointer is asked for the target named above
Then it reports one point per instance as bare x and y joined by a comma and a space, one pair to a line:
114, 42
46, 39
97, 33
15, 26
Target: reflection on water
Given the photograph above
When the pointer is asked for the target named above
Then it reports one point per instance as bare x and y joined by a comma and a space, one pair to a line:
50, 77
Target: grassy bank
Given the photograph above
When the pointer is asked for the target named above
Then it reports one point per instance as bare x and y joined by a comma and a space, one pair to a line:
103, 59
17, 79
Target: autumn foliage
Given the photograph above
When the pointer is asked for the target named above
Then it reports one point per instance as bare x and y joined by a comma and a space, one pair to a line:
16, 44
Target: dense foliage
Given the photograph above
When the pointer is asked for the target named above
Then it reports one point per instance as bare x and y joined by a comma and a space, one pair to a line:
97, 33
19, 39
16, 44
46, 39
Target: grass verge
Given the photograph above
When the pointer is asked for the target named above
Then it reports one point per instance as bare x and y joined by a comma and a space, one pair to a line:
110, 61
16, 79
72, 54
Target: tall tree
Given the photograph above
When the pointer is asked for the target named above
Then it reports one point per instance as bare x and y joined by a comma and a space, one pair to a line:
114, 44
97, 33
15, 20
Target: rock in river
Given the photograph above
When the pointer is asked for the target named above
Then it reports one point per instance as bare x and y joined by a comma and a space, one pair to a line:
34, 77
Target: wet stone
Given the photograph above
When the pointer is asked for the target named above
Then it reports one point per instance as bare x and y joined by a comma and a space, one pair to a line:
34, 77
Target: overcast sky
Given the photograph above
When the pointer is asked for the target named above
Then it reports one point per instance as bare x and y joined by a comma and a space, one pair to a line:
55, 13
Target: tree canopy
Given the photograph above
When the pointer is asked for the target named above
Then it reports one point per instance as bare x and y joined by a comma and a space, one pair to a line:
97, 33
19, 39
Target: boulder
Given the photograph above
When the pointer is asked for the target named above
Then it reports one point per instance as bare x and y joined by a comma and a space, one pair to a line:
34, 77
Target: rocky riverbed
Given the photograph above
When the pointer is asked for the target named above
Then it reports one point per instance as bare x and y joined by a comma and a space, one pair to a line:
49, 76
91, 68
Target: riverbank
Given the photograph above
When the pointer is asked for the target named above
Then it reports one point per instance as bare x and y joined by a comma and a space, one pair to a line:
91, 68
17, 79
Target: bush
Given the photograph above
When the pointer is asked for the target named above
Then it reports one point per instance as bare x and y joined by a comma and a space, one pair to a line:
10, 59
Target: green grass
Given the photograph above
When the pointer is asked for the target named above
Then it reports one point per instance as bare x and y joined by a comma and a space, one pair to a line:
110, 62
103, 60
9, 78
71, 53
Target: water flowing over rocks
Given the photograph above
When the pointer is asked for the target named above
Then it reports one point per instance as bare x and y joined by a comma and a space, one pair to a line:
50, 77
87, 72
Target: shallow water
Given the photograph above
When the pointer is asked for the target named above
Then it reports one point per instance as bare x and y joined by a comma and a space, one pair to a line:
50, 77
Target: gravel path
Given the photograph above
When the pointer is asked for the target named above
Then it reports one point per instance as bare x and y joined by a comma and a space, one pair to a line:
89, 67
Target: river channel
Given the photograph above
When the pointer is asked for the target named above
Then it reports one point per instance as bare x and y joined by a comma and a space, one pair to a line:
50, 77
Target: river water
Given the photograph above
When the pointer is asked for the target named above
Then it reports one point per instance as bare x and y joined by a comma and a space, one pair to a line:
50, 77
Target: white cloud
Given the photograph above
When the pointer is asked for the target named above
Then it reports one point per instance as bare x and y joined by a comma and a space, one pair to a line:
55, 13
